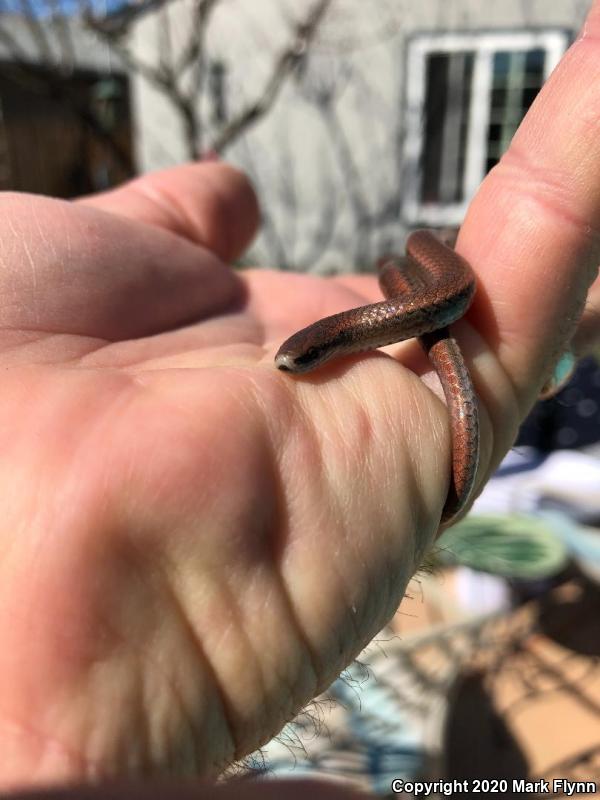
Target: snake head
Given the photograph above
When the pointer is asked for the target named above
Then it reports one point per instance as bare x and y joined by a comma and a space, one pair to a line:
305, 350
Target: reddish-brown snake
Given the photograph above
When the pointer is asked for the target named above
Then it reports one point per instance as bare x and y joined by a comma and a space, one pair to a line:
426, 290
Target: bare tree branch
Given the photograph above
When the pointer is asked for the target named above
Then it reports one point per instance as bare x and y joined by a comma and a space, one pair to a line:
155, 75
287, 62
167, 78
195, 57
13, 47
165, 47
117, 23
37, 31
193, 50
163, 77
63, 34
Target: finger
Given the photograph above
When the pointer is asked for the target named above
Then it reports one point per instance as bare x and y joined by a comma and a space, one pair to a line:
208, 203
587, 335
69, 268
532, 232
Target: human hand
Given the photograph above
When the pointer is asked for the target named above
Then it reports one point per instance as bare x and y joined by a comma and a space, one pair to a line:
194, 543
165, 570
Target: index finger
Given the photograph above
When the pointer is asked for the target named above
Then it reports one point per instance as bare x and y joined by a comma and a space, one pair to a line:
209, 203
532, 231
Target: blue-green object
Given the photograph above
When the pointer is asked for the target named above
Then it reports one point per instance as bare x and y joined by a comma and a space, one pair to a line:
511, 545
563, 371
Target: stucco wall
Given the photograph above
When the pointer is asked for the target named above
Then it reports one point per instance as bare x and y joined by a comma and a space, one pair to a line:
328, 157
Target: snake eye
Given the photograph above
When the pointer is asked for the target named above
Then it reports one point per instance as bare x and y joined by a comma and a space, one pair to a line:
310, 356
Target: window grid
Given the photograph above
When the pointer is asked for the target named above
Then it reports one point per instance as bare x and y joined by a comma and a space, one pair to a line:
466, 96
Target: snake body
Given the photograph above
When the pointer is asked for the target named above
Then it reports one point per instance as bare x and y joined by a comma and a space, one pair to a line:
426, 291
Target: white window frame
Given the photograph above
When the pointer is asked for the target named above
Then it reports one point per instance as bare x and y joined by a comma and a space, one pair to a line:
484, 46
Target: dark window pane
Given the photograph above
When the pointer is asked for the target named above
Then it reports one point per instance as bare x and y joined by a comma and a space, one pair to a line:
501, 64
495, 131
50, 146
435, 109
447, 101
518, 77
529, 96
498, 97
535, 61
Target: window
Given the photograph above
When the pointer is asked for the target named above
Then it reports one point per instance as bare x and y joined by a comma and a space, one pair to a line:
48, 145
466, 95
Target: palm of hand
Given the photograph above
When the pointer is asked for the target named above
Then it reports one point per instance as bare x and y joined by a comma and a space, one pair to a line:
173, 512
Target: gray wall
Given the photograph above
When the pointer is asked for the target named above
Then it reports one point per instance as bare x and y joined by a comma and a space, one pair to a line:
329, 159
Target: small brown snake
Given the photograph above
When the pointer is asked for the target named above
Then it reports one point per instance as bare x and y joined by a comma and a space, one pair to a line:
426, 290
